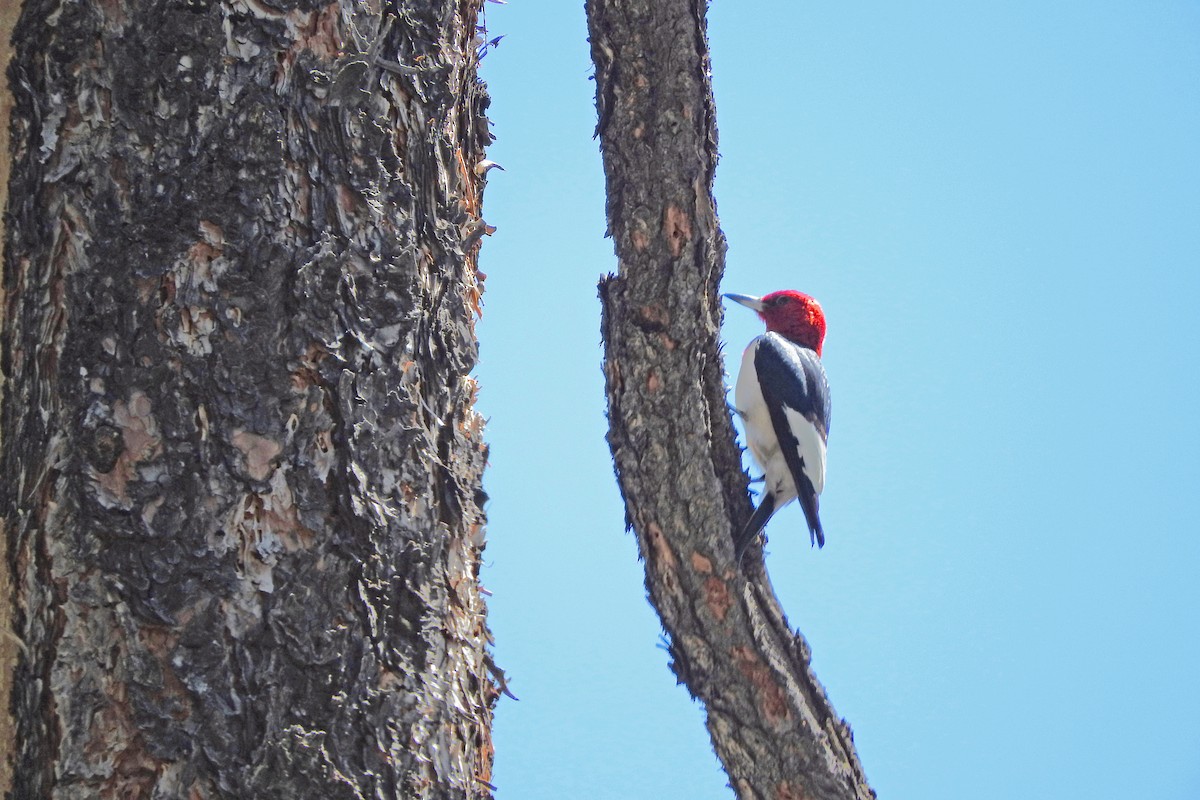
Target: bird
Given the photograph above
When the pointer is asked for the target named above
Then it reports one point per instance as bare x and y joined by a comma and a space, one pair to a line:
782, 396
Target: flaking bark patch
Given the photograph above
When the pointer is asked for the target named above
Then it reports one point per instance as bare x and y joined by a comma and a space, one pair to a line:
771, 700
717, 597
677, 227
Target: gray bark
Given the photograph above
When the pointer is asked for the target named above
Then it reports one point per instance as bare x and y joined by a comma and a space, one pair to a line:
671, 434
241, 462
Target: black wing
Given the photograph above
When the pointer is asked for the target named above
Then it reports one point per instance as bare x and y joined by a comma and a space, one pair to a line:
792, 377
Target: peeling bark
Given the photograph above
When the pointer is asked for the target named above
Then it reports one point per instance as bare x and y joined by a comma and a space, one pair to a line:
241, 460
671, 433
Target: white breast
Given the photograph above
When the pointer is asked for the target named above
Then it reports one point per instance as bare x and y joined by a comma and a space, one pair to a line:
764, 444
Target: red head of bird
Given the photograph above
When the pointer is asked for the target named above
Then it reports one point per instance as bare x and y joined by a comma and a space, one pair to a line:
793, 315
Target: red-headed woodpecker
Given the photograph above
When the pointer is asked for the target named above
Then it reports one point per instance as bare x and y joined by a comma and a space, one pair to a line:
782, 397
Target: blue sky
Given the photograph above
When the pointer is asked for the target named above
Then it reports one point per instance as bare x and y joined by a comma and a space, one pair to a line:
998, 206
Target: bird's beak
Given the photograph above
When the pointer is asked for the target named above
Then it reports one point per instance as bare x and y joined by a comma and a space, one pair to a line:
747, 301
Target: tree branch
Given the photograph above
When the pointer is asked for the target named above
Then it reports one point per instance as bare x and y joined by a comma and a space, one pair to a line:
672, 438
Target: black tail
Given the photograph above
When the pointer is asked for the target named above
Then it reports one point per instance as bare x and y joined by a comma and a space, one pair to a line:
808, 501
759, 519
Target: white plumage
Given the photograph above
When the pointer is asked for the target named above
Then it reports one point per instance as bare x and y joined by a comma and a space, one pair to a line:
763, 441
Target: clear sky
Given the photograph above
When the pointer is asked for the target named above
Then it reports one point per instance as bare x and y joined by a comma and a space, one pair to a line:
998, 206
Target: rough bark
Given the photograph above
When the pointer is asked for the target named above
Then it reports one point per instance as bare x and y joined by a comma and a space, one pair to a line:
671, 432
8, 640
241, 464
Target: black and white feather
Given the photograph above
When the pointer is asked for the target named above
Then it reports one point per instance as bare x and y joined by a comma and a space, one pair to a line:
782, 396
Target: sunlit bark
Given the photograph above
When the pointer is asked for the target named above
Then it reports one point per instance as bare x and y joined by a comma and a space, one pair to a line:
241, 463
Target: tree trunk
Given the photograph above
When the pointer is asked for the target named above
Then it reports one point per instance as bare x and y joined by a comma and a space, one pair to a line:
241, 463
671, 433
